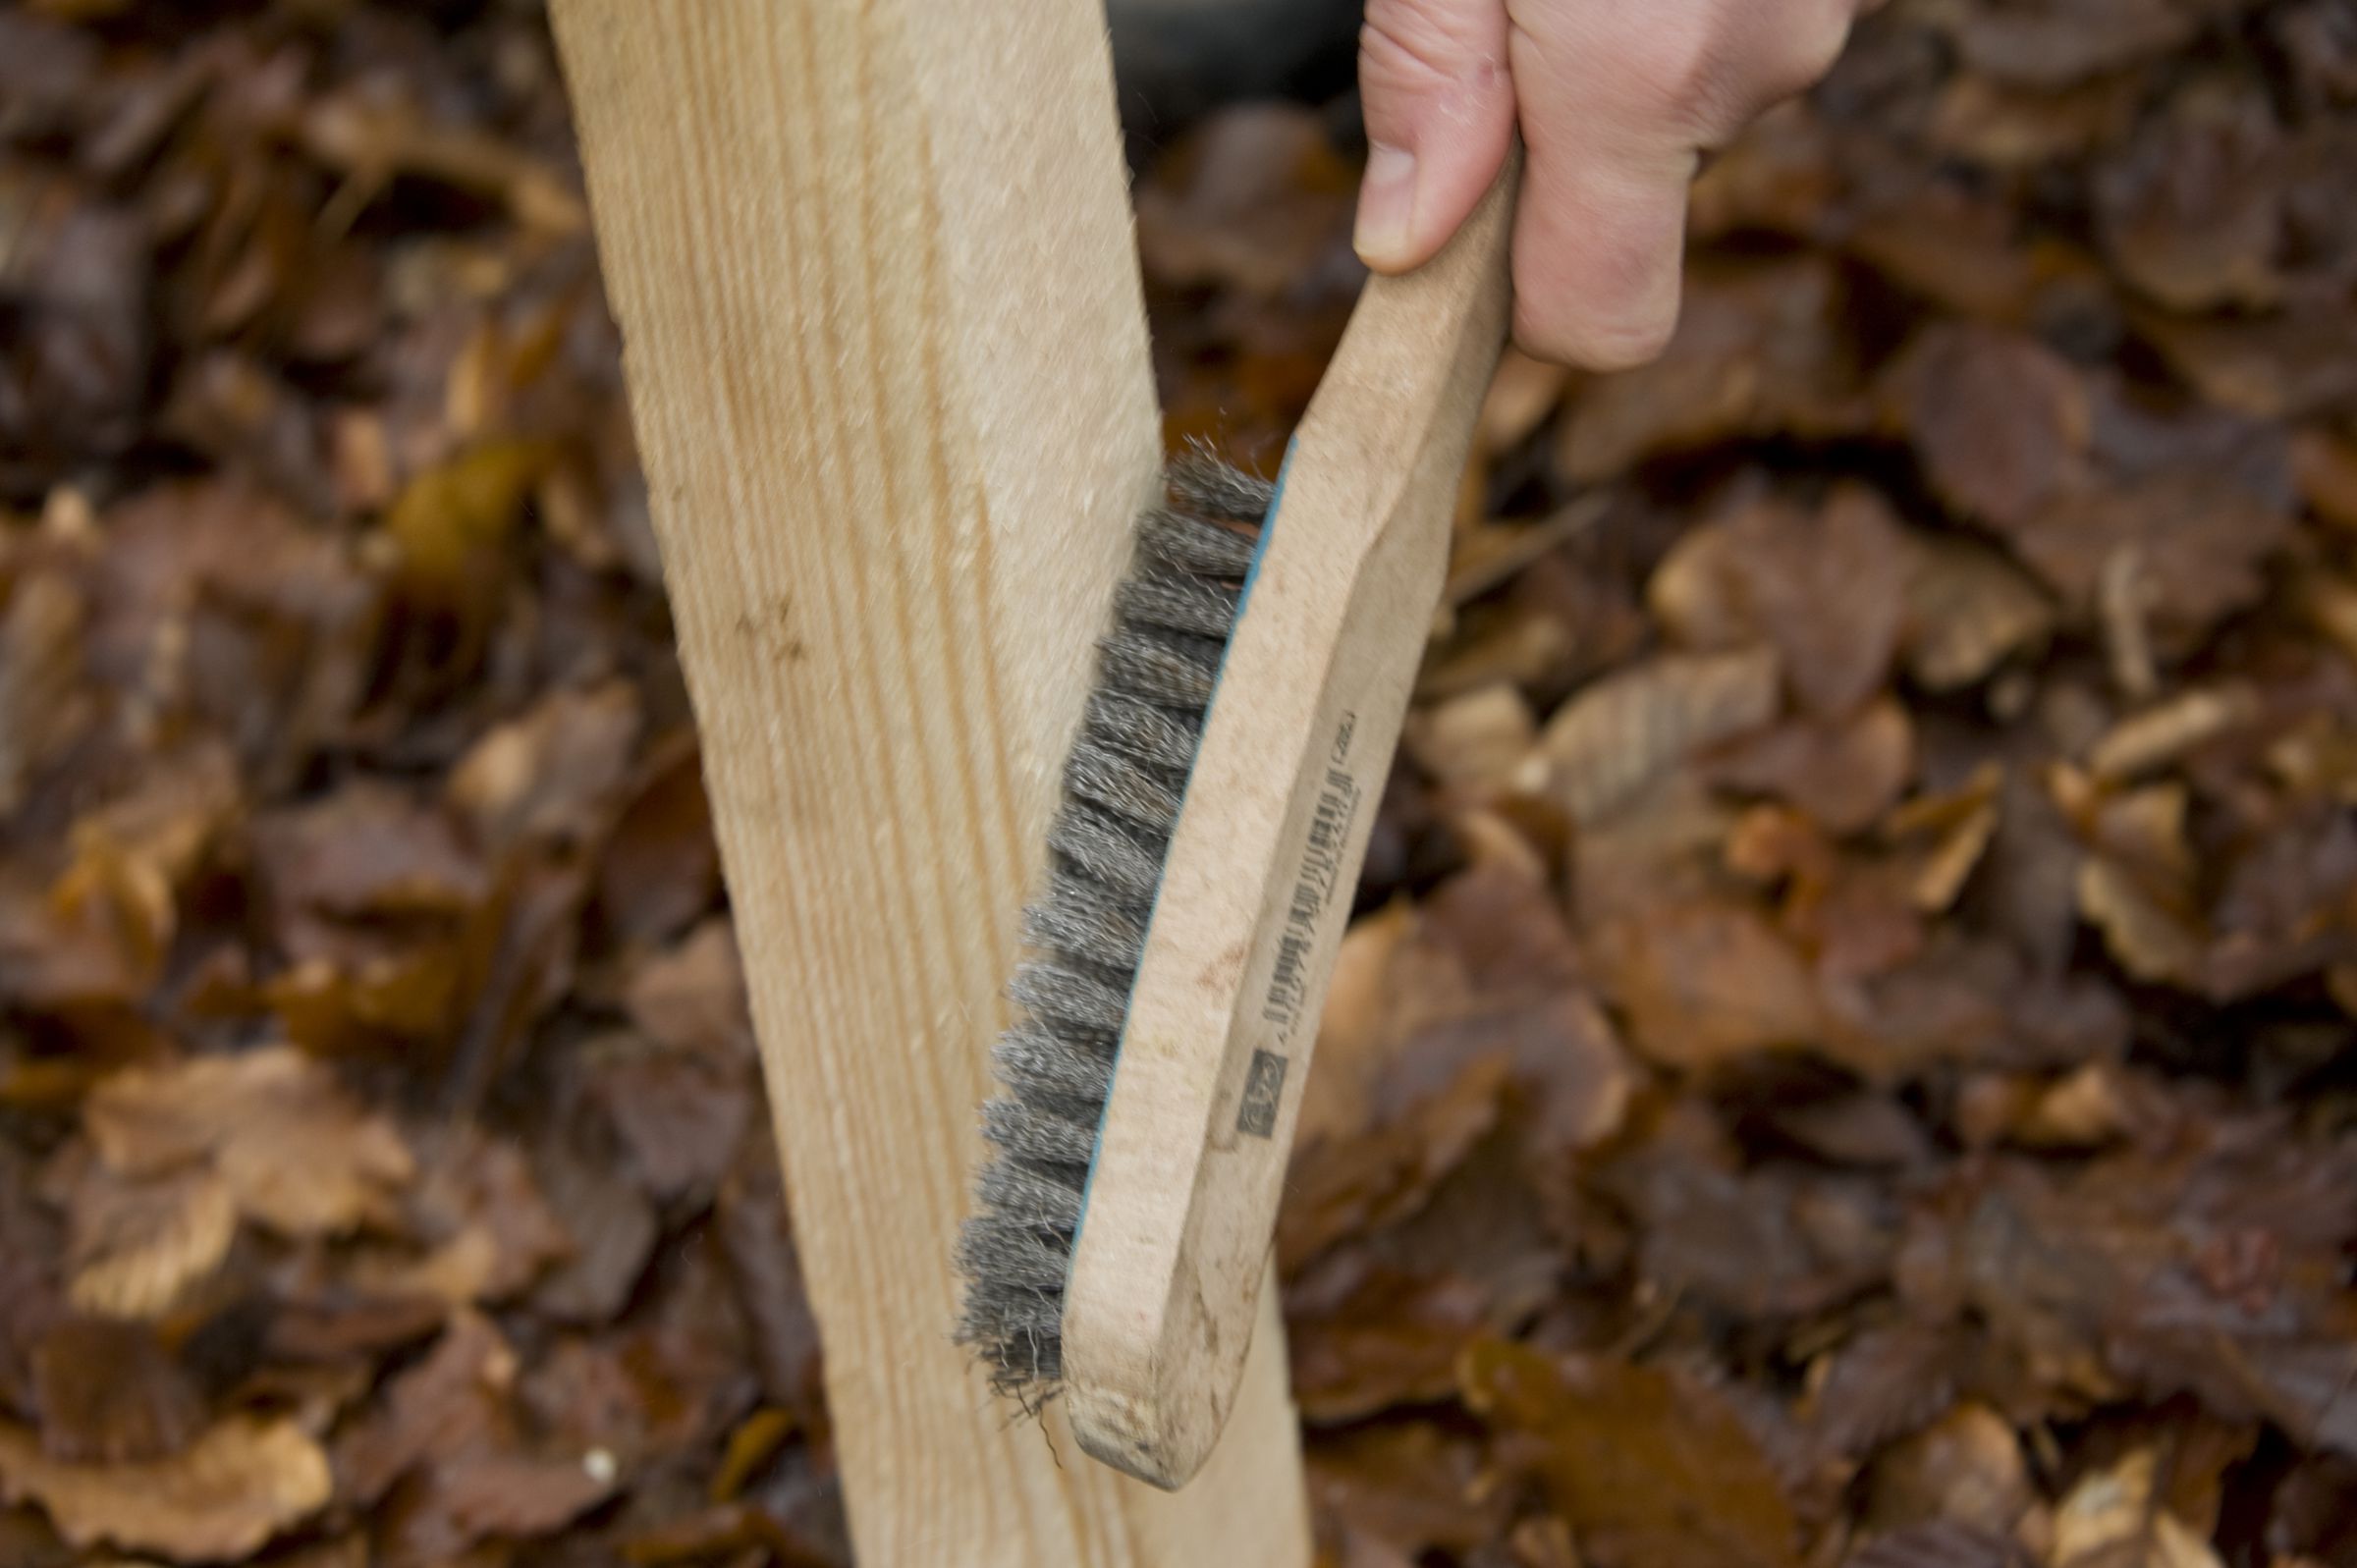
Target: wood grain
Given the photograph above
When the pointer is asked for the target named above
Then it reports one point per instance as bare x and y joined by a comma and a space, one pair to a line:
888, 366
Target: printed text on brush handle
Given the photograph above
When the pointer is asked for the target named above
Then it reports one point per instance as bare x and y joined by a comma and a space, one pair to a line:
1317, 883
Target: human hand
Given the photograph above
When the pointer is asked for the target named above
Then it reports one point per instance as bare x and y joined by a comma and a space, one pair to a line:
1615, 99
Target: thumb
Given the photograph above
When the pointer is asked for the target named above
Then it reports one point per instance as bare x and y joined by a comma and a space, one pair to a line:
1440, 111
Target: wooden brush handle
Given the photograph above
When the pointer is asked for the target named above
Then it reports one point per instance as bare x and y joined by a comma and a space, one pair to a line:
1182, 1198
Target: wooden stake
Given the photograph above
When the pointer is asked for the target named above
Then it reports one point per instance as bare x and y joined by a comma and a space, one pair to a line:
888, 364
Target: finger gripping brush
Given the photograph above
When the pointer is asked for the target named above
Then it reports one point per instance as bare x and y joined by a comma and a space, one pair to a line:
1218, 802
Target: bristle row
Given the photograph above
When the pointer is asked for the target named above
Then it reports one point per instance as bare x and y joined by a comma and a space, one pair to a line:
1122, 787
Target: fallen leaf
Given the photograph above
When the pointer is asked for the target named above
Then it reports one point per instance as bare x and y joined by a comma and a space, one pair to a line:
2200, 538
1608, 743
1845, 774
444, 1406
552, 772
1646, 1466
1411, 1485
109, 1392
1965, 1469
1703, 984
240, 1486
2192, 214
2112, 1519
136, 1246
660, 867
295, 1152
1476, 741
2001, 423
1824, 588
1756, 354
693, 998
1968, 611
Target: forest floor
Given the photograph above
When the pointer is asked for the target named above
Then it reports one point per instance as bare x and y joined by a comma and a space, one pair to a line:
1845, 1057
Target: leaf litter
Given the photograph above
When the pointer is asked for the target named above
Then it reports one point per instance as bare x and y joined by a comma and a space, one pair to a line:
1848, 1051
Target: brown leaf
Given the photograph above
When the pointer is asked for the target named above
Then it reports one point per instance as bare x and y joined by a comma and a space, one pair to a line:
2055, 45
1825, 590
614, 1230
42, 705
678, 1114
552, 772
225, 1495
693, 998
295, 1152
1410, 1484
1756, 354
660, 867
1883, 1385
2198, 538
1477, 740
1967, 1468
445, 1405
137, 1245
109, 1392
2193, 213
490, 1233
1608, 743
516, 1495
756, 1243
1366, 1338
1703, 984
365, 850
1938, 1545
1845, 774
1646, 1466
1968, 611
2112, 1519
2270, 368
2001, 423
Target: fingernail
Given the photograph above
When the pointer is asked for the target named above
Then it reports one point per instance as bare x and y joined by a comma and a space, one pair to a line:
1387, 200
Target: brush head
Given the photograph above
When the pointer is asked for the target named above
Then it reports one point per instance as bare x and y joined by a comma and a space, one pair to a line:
1123, 783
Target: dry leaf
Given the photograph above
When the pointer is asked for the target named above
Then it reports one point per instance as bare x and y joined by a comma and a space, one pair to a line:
1843, 773
138, 1245
1756, 354
109, 1392
1825, 590
1702, 983
1968, 611
552, 772
1605, 745
1475, 741
1967, 1468
2112, 1519
1647, 1467
224, 1496
295, 1153
2002, 422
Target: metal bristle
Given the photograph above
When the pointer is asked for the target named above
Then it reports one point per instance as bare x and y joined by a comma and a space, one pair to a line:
1216, 489
1190, 543
1123, 784
1166, 667
1143, 731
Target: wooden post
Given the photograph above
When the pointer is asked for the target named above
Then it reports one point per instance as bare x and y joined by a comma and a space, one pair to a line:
887, 356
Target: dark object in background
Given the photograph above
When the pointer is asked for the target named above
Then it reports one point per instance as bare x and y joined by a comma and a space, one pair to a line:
1176, 60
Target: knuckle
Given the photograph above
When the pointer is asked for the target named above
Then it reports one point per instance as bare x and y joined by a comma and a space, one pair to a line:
1404, 46
1602, 345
